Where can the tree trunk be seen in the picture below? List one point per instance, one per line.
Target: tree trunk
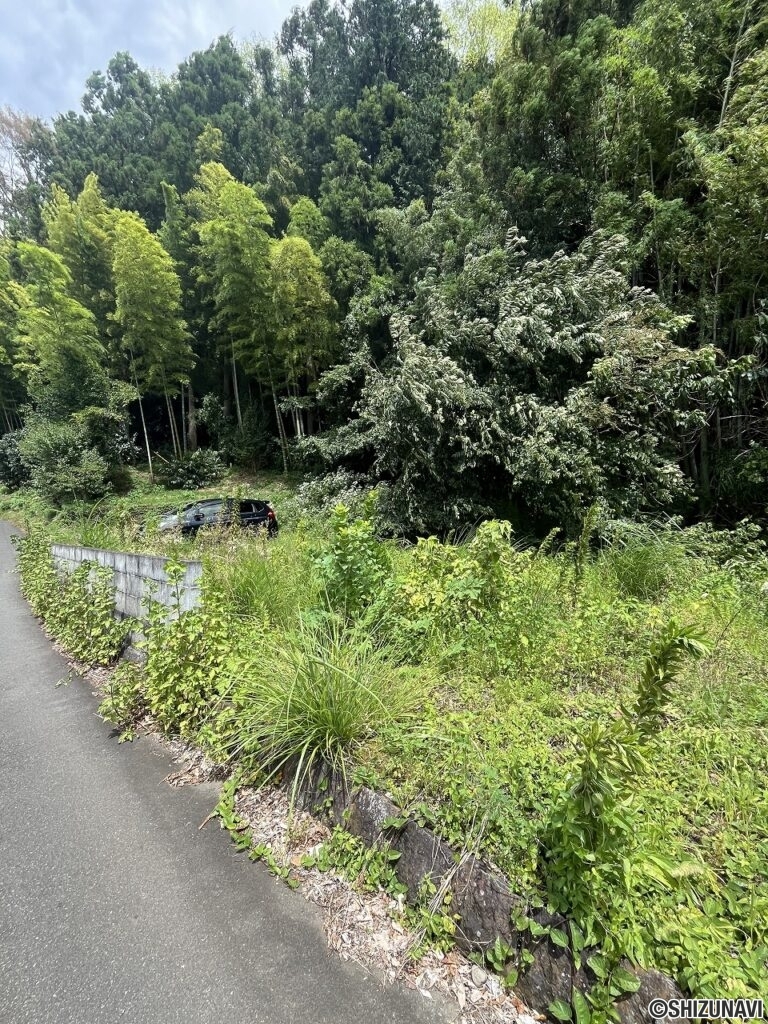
(704, 482)
(183, 421)
(191, 421)
(734, 58)
(226, 388)
(172, 423)
(280, 424)
(236, 389)
(143, 420)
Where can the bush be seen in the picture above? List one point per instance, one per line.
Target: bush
(314, 698)
(13, 473)
(355, 565)
(446, 589)
(198, 469)
(320, 495)
(79, 609)
(186, 659)
(642, 561)
(61, 464)
(250, 445)
(124, 703)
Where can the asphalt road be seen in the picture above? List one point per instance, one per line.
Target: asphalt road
(114, 906)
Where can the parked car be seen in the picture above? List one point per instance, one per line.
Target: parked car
(246, 512)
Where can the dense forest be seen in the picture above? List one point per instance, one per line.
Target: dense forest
(502, 259)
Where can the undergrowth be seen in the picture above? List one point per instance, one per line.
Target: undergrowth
(592, 717)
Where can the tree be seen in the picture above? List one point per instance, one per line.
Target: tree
(480, 31)
(11, 389)
(308, 222)
(350, 193)
(26, 150)
(81, 232)
(148, 310)
(58, 348)
(303, 317)
(234, 263)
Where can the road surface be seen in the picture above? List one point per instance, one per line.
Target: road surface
(114, 906)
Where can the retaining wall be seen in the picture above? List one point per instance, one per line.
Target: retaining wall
(136, 578)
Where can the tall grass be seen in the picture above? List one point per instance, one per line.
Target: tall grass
(314, 695)
(643, 561)
(273, 580)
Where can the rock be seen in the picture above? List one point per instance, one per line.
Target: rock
(549, 977)
(479, 976)
(493, 985)
(483, 901)
(367, 813)
(633, 1009)
(422, 855)
(321, 792)
(461, 995)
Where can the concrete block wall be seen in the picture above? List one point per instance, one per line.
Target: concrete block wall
(136, 578)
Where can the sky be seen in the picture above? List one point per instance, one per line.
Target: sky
(49, 47)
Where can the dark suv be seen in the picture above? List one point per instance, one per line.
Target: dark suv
(248, 512)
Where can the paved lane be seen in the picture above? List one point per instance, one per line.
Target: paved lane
(114, 907)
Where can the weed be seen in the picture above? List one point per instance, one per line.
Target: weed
(314, 697)
(124, 704)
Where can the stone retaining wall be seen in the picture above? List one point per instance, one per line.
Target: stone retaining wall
(135, 577)
(481, 896)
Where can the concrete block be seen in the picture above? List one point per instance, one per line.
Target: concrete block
(194, 574)
(131, 607)
(190, 599)
(134, 585)
(146, 563)
(132, 565)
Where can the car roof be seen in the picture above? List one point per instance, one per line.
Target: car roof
(221, 501)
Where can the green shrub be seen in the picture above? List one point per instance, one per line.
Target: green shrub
(354, 565)
(187, 654)
(199, 469)
(249, 443)
(443, 590)
(13, 472)
(79, 608)
(124, 704)
(596, 863)
(314, 697)
(319, 496)
(61, 465)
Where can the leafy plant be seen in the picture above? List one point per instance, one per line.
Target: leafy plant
(594, 860)
(370, 868)
(313, 697)
(124, 704)
(13, 471)
(78, 606)
(187, 655)
(61, 465)
(200, 468)
(354, 565)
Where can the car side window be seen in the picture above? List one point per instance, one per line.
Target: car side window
(246, 508)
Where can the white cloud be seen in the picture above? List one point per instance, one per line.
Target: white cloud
(49, 47)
